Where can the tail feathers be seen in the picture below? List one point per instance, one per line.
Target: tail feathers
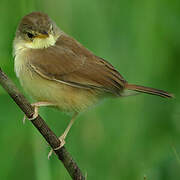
(149, 90)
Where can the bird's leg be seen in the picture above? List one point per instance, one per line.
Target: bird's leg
(63, 136)
(36, 108)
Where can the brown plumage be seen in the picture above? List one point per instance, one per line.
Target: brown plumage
(77, 68)
(69, 62)
(56, 69)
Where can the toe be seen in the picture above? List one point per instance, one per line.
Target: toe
(24, 119)
(50, 153)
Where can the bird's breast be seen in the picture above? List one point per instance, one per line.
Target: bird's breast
(66, 97)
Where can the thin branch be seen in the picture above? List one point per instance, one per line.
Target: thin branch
(39, 123)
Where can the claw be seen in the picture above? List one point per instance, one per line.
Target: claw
(62, 140)
(63, 136)
(50, 153)
(35, 115)
(36, 107)
(24, 119)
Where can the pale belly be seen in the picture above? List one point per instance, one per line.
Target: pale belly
(65, 97)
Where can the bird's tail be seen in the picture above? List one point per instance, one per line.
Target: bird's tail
(148, 90)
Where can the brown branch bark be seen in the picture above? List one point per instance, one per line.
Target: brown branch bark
(63, 155)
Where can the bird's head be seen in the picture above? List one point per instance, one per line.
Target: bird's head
(36, 30)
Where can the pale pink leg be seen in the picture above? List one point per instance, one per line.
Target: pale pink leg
(36, 108)
(63, 136)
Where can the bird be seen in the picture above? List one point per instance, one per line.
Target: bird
(58, 71)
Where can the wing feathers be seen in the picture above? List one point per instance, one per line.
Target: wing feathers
(70, 63)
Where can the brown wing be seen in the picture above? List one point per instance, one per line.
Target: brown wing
(70, 63)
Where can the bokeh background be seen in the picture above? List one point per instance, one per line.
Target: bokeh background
(135, 137)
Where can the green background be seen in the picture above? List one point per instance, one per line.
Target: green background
(124, 139)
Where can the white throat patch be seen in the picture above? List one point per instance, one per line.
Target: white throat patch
(40, 43)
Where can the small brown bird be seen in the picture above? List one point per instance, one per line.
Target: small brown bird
(58, 71)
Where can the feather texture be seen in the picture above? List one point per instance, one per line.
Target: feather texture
(71, 63)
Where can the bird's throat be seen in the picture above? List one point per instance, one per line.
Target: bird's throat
(40, 43)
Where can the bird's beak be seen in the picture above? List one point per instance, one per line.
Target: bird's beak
(42, 35)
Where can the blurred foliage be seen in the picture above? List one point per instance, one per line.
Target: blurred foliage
(126, 138)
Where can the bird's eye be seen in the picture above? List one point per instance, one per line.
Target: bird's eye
(30, 35)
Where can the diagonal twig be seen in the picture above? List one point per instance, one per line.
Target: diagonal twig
(63, 155)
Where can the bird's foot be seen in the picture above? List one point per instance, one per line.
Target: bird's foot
(62, 140)
(36, 108)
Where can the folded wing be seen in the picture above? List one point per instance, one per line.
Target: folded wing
(70, 63)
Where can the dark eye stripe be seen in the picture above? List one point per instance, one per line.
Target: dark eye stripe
(30, 35)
